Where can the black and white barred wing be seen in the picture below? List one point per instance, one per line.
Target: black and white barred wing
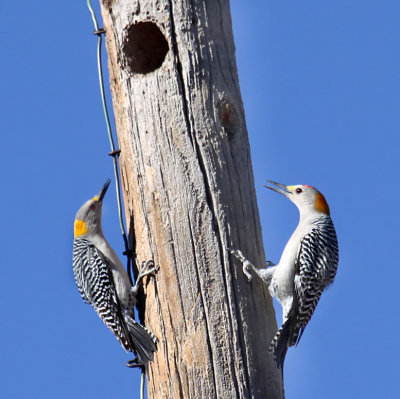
(96, 286)
(315, 270)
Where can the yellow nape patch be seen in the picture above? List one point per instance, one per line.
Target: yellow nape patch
(80, 228)
(321, 204)
(95, 198)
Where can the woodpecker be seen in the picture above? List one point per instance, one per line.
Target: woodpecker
(307, 266)
(104, 284)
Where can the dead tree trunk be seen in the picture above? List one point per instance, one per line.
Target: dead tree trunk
(189, 195)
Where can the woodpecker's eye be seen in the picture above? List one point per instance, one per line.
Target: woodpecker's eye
(92, 207)
(299, 190)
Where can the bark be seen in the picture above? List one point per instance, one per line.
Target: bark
(189, 195)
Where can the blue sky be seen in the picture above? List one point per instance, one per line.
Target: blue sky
(320, 85)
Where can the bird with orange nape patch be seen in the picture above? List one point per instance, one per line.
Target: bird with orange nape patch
(306, 268)
(105, 285)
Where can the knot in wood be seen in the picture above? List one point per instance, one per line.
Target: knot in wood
(229, 117)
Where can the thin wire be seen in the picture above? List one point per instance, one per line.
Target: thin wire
(142, 385)
(115, 155)
(114, 152)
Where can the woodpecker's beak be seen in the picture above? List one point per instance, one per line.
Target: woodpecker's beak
(281, 190)
(103, 190)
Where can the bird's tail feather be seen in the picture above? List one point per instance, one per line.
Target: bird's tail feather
(280, 343)
(144, 341)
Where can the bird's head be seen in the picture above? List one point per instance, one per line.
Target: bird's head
(306, 198)
(88, 217)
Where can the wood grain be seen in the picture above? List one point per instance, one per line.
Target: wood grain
(189, 195)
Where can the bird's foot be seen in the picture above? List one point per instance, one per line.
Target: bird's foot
(237, 253)
(147, 268)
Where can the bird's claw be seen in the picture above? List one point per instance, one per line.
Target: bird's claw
(246, 271)
(237, 253)
(147, 268)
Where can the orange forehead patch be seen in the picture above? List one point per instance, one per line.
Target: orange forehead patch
(321, 204)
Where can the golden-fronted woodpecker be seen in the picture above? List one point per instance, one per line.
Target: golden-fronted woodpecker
(104, 284)
(307, 266)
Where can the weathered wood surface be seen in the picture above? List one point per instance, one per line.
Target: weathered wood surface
(189, 195)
